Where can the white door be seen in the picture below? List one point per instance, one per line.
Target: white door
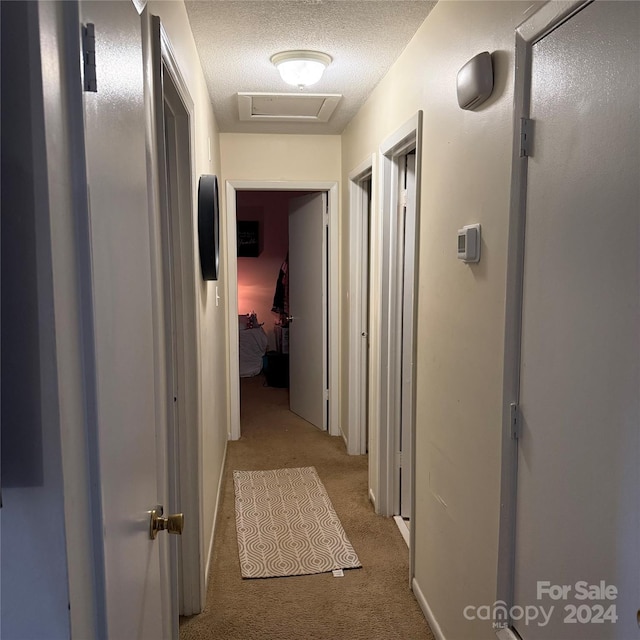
(578, 501)
(365, 296)
(308, 308)
(124, 328)
(406, 284)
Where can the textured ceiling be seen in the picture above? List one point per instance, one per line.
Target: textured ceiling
(236, 39)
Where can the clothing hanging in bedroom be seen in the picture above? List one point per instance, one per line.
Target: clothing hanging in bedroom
(281, 296)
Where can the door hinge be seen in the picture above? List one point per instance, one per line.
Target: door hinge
(399, 459)
(526, 137)
(402, 198)
(89, 57)
(515, 421)
(326, 394)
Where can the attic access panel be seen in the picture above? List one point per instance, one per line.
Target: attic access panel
(287, 107)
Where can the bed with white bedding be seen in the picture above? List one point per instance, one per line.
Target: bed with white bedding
(253, 344)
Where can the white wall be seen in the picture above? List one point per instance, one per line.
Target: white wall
(247, 156)
(212, 321)
(465, 179)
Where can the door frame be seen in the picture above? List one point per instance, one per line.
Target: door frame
(231, 266)
(528, 33)
(407, 138)
(183, 484)
(358, 209)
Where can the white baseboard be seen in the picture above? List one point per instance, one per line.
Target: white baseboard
(215, 517)
(426, 609)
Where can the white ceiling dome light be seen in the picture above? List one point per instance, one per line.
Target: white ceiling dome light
(301, 68)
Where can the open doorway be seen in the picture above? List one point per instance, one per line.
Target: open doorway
(320, 326)
(282, 312)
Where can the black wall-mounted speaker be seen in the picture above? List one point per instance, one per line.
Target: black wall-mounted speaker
(209, 226)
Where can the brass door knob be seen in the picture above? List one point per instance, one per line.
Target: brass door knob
(173, 523)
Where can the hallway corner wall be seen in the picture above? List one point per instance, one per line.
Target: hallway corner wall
(465, 178)
(212, 320)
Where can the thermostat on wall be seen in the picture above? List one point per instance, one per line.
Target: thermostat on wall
(469, 243)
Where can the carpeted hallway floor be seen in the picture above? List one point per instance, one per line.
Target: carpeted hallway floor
(372, 603)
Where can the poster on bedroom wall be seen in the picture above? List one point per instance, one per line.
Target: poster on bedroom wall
(248, 239)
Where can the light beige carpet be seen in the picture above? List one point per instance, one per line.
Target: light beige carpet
(372, 603)
(287, 526)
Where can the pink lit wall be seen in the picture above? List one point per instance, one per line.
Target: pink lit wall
(257, 277)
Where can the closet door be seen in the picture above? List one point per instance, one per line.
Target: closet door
(578, 483)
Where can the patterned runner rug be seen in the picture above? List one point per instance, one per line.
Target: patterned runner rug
(287, 526)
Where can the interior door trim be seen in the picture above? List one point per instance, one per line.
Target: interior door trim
(356, 444)
(405, 139)
(547, 18)
(164, 81)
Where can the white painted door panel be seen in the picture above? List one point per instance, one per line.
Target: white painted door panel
(365, 296)
(120, 247)
(308, 308)
(406, 286)
(578, 482)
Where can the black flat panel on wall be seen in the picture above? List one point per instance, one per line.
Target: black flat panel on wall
(208, 226)
(248, 239)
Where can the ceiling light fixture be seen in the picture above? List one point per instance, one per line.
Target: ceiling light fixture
(301, 68)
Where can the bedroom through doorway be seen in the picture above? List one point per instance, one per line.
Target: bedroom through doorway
(282, 312)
